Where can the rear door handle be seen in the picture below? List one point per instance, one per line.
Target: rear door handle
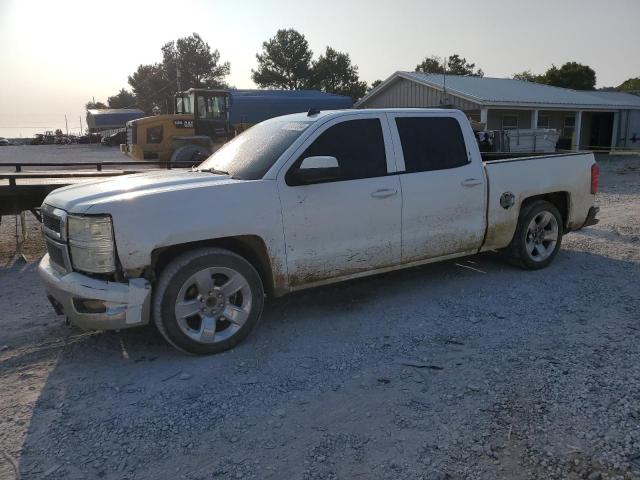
(470, 182)
(384, 193)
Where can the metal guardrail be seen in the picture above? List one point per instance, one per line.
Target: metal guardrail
(27, 189)
(97, 165)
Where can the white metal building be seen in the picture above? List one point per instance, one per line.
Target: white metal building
(585, 119)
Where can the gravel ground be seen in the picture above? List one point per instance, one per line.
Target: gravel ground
(469, 369)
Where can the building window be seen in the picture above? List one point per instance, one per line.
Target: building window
(569, 125)
(509, 122)
(543, 121)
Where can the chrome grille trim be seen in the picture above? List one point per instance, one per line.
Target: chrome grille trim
(59, 255)
(54, 222)
(51, 222)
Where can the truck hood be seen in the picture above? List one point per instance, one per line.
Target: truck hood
(81, 197)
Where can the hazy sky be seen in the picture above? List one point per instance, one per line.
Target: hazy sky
(57, 55)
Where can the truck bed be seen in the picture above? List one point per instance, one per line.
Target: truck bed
(496, 156)
(566, 175)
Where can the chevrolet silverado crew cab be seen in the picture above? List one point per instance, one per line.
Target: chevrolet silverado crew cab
(295, 202)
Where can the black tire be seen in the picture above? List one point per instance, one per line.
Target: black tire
(173, 278)
(517, 252)
(190, 153)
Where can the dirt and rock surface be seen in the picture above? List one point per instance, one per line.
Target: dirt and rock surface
(470, 369)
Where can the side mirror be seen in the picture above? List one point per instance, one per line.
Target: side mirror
(318, 169)
(311, 163)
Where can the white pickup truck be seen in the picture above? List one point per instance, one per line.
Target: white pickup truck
(295, 202)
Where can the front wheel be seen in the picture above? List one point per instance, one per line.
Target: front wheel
(538, 236)
(207, 301)
(190, 153)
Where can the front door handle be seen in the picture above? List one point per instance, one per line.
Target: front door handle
(470, 182)
(384, 193)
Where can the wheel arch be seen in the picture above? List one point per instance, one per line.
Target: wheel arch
(250, 247)
(561, 200)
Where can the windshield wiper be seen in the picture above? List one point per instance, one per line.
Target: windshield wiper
(212, 170)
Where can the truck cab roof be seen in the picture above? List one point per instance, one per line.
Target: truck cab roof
(323, 114)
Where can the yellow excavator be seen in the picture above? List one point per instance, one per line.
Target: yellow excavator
(205, 119)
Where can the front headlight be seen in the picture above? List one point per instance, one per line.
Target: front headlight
(91, 244)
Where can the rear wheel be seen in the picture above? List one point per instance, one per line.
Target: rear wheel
(538, 236)
(207, 300)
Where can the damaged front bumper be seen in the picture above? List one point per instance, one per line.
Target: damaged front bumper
(94, 304)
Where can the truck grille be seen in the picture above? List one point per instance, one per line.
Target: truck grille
(57, 254)
(51, 222)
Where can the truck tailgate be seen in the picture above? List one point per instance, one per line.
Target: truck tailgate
(568, 174)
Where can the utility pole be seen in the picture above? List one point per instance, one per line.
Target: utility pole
(80, 125)
(178, 75)
(444, 81)
(66, 125)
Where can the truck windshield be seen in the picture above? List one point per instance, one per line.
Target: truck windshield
(252, 153)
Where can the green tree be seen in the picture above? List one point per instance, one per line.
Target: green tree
(155, 84)
(199, 66)
(334, 73)
(456, 65)
(285, 62)
(432, 64)
(58, 132)
(374, 84)
(123, 99)
(570, 75)
(630, 84)
(93, 105)
(527, 75)
(151, 87)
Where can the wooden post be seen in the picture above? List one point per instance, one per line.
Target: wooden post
(23, 224)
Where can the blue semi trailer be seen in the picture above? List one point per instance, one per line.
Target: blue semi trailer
(248, 107)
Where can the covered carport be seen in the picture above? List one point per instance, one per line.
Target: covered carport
(99, 120)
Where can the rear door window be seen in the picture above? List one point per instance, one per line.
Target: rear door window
(431, 143)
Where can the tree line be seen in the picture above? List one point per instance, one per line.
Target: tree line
(287, 62)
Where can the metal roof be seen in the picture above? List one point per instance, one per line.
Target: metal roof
(509, 92)
(267, 93)
(284, 93)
